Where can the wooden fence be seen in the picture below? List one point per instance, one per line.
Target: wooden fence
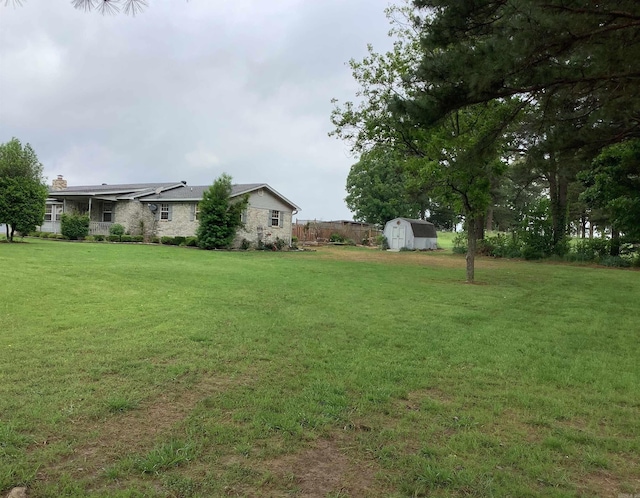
(314, 231)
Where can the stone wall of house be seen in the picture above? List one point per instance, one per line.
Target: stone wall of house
(135, 217)
(181, 221)
(257, 227)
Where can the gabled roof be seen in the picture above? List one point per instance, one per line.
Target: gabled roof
(188, 193)
(148, 192)
(119, 189)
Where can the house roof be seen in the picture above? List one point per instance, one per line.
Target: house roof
(422, 228)
(160, 192)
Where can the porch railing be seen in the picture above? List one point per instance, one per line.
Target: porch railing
(99, 227)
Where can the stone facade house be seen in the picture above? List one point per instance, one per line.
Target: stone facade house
(166, 209)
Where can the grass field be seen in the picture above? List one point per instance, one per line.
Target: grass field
(134, 370)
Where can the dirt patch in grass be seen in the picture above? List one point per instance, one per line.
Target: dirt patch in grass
(601, 482)
(105, 441)
(326, 469)
(439, 258)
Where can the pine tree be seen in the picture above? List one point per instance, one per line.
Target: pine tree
(220, 215)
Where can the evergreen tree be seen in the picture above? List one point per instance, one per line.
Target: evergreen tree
(220, 216)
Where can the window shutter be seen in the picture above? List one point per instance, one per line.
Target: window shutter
(281, 219)
(170, 212)
(192, 212)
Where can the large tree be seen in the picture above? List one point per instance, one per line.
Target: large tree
(22, 191)
(220, 215)
(378, 189)
(457, 159)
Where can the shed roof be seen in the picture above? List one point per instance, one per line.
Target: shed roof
(422, 228)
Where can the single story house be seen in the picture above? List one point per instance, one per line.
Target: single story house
(412, 234)
(166, 209)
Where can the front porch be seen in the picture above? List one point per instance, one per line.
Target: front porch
(95, 227)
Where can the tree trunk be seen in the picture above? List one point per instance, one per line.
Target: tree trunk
(479, 224)
(6, 227)
(10, 233)
(489, 221)
(615, 242)
(558, 189)
(472, 238)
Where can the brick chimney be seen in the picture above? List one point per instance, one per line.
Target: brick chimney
(59, 183)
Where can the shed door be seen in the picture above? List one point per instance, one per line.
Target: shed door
(397, 237)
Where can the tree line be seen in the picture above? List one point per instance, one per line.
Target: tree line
(497, 108)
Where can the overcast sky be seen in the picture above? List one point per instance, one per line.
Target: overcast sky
(189, 90)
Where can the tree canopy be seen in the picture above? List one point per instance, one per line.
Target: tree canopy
(22, 192)
(613, 185)
(378, 190)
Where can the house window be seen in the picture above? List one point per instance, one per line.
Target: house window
(196, 212)
(52, 212)
(275, 218)
(107, 212)
(164, 212)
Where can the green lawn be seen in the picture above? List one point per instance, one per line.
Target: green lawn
(134, 370)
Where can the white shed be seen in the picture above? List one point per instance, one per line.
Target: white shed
(412, 234)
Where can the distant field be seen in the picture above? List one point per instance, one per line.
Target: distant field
(134, 370)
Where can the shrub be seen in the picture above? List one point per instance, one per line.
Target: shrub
(167, 241)
(591, 249)
(126, 238)
(276, 245)
(245, 245)
(74, 226)
(336, 237)
(382, 242)
(137, 238)
(90, 238)
(116, 229)
(615, 261)
(59, 236)
(155, 240)
(98, 238)
(191, 242)
(500, 246)
(179, 240)
(460, 243)
(113, 238)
